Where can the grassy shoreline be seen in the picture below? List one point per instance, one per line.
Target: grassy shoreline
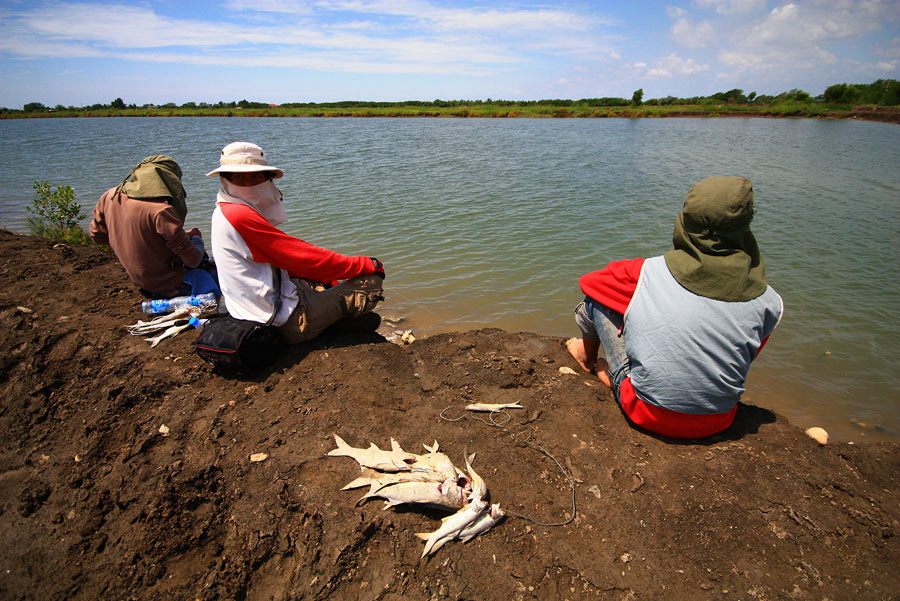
(890, 114)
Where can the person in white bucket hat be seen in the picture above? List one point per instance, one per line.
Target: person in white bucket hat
(318, 287)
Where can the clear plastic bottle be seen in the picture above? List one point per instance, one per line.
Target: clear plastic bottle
(197, 323)
(167, 305)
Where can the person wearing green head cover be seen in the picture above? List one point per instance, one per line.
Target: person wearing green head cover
(142, 220)
(679, 331)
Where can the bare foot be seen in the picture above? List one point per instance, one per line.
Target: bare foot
(575, 346)
(602, 367)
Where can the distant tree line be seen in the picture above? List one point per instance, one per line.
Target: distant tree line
(883, 92)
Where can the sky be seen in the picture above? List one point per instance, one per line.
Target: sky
(85, 52)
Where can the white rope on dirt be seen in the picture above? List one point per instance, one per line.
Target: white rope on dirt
(528, 442)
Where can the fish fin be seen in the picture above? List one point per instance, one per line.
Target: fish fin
(423, 535)
(365, 498)
(395, 446)
(377, 485)
(342, 447)
(433, 448)
(358, 483)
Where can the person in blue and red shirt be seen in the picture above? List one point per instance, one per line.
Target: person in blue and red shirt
(679, 331)
(318, 287)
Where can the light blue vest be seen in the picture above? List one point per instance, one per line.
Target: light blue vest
(690, 353)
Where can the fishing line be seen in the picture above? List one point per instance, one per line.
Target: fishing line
(528, 442)
(414, 303)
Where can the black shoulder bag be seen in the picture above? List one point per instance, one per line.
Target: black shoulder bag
(239, 345)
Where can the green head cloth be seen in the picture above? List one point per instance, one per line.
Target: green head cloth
(157, 178)
(715, 253)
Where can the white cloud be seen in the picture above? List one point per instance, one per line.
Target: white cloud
(891, 50)
(798, 36)
(728, 7)
(440, 18)
(793, 24)
(417, 33)
(88, 30)
(293, 7)
(675, 11)
(670, 66)
(693, 35)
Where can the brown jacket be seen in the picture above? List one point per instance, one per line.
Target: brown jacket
(148, 238)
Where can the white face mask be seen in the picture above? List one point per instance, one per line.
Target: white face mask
(264, 197)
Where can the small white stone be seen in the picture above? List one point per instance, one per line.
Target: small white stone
(818, 434)
(164, 430)
(257, 457)
(568, 371)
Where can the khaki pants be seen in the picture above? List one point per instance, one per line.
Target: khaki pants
(319, 307)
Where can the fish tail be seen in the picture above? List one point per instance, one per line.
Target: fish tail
(342, 447)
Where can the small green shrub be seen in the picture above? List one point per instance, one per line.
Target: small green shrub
(55, 215)
(815, 110)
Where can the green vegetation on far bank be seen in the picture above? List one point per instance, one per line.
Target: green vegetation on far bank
(472, 110)
(838, 101)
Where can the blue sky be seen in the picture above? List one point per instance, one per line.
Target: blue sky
(79, 53)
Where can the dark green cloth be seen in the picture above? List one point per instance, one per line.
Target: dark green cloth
(157, 178)
(715, 252)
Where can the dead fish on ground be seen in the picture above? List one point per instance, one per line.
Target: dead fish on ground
(172, 331)
(492, 406)
(373, 457)
(482, 523)
(163, 321)
(479, 488)
(433, 460)
(452, 526)
(375, 480)
(444, 495)
(402, 478)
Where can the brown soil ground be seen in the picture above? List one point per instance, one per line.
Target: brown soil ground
(887, 114)
(96, 503)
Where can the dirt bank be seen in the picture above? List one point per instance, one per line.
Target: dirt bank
(97, 503)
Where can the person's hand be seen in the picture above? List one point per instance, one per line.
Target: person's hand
(379, 268)
(194, 232)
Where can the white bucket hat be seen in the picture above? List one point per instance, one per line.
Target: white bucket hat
(243, 157)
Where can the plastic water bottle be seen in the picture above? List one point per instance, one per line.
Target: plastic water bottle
(197, 323)
(167, 305)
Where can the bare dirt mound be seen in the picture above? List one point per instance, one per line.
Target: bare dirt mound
(887, 114)
(98, 503)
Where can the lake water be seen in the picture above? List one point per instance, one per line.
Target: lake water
(490, 223)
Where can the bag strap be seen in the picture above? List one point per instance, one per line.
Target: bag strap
(277, 279)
